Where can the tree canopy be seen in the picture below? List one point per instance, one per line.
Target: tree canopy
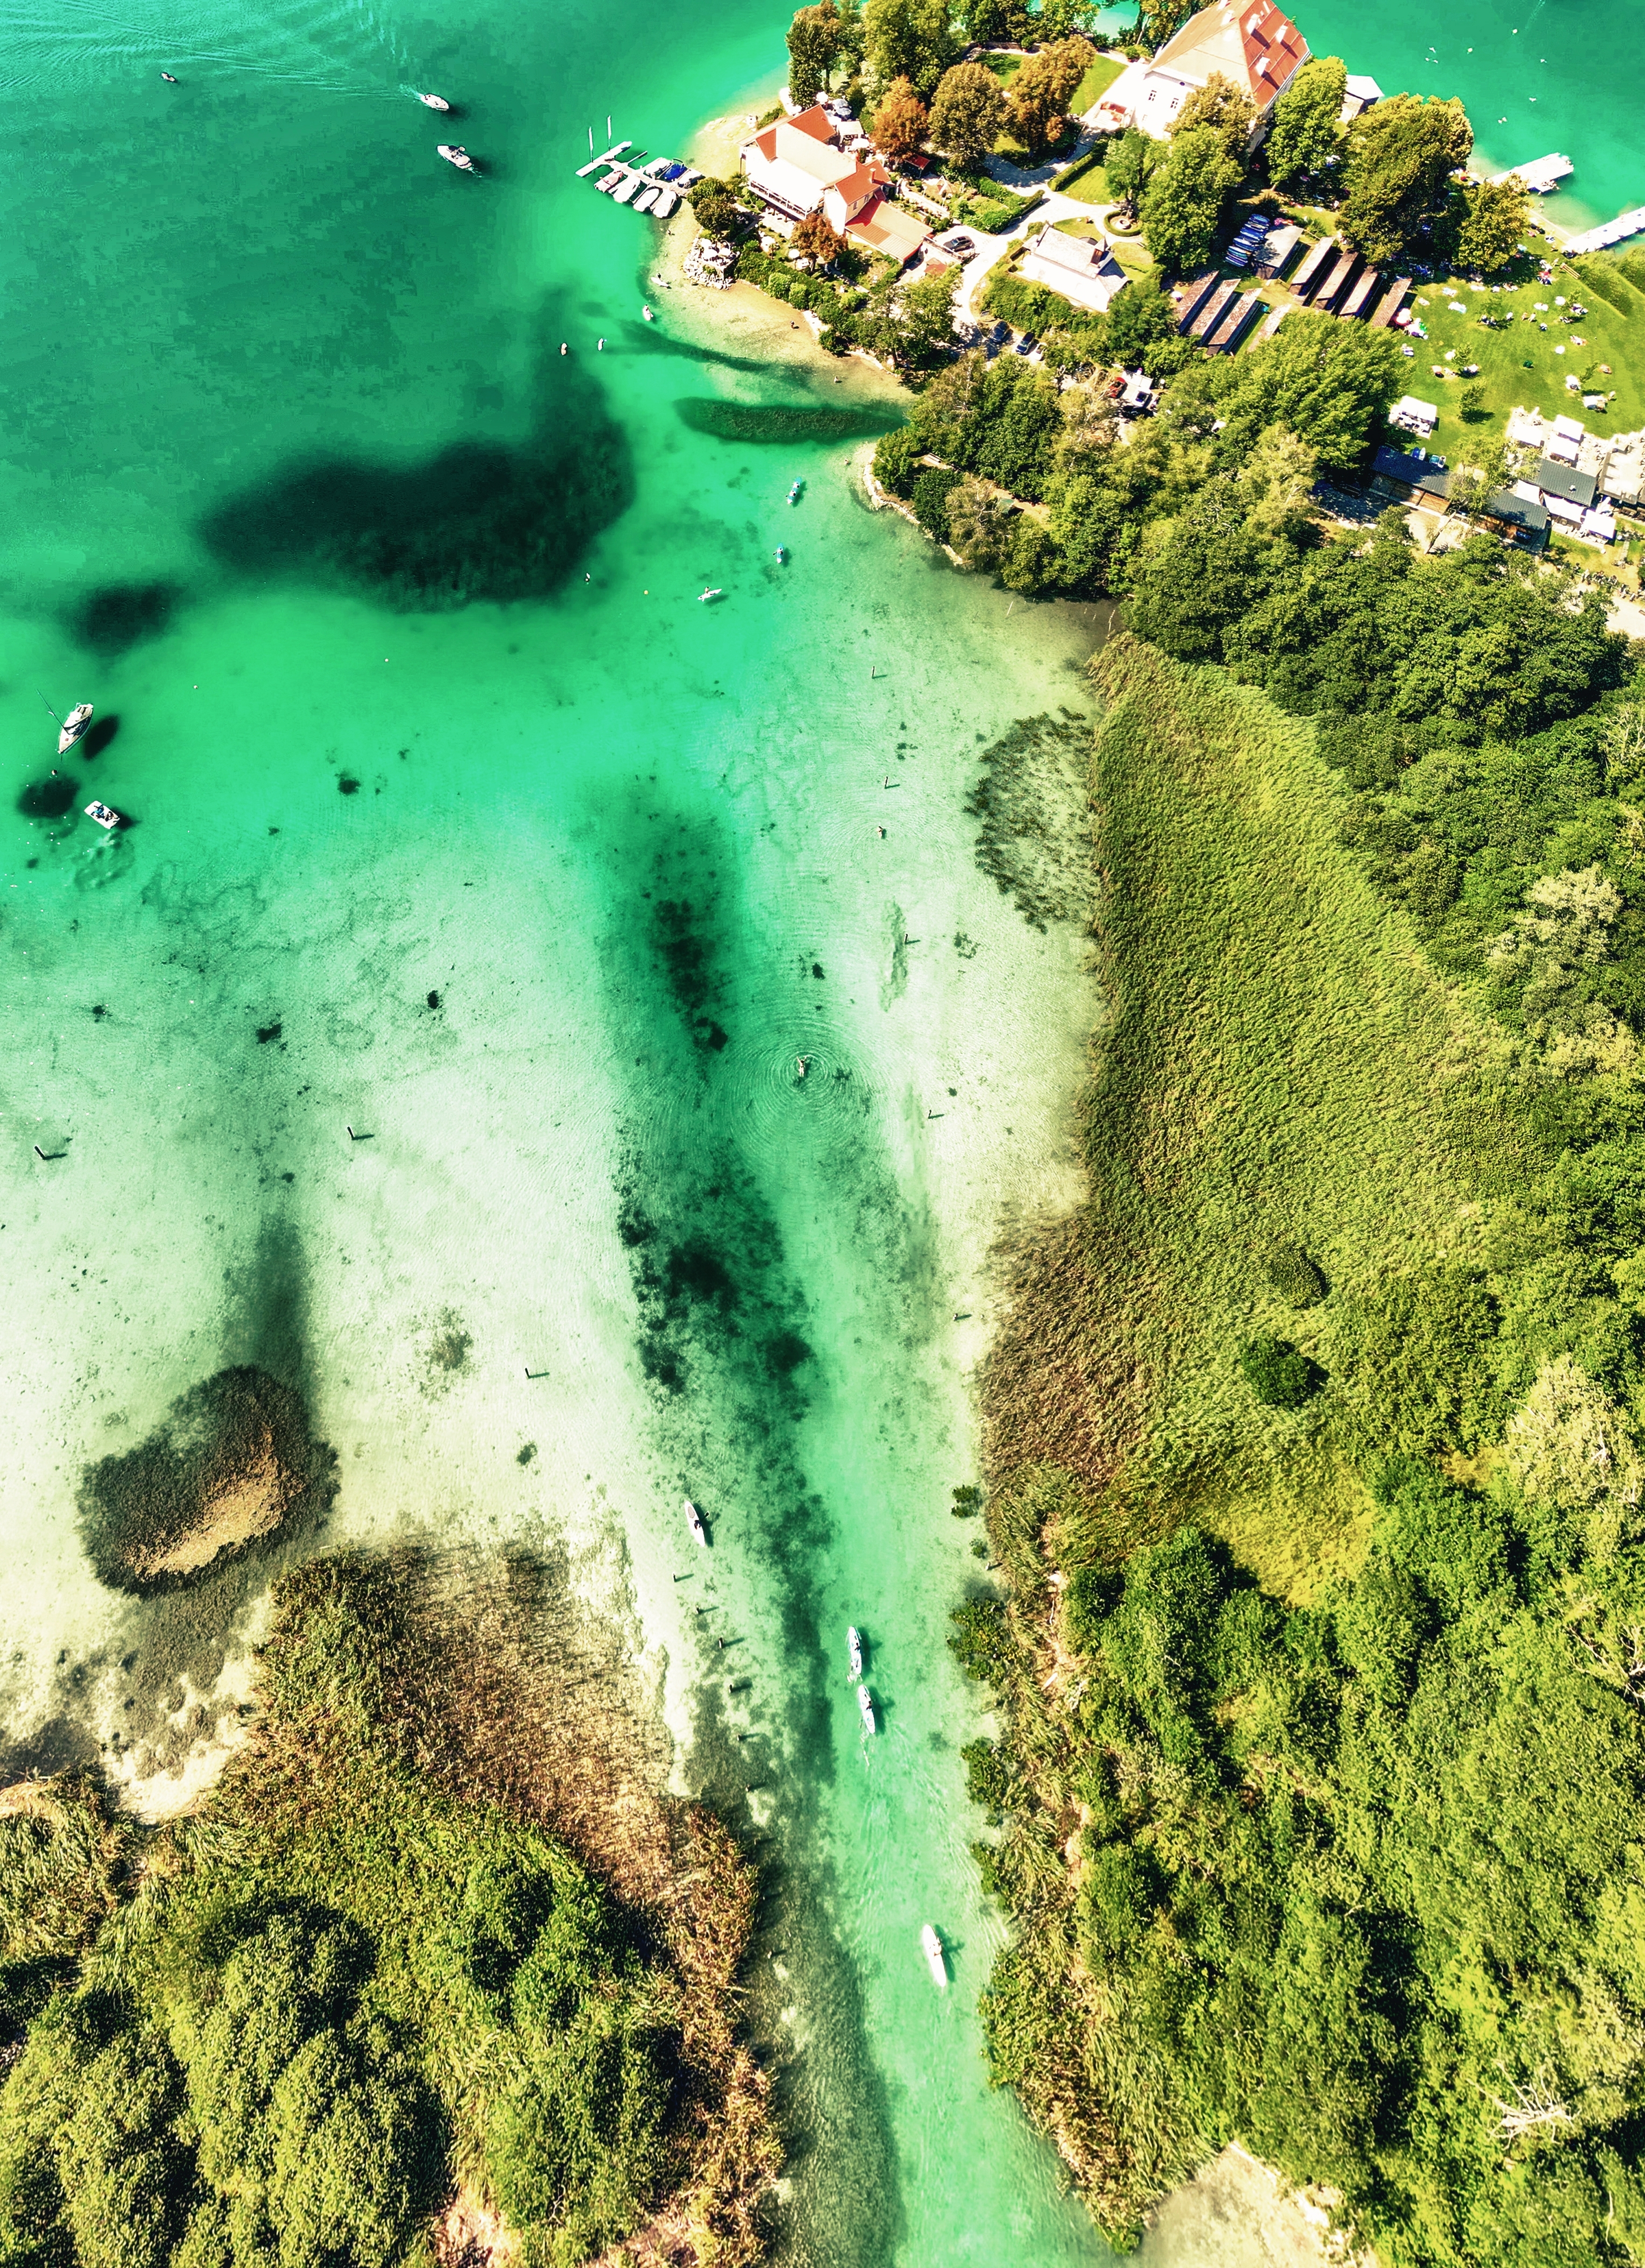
(1037, 103)
(814, 38)
(1306, 132)
(909, 39)
(268, 2047)
(900, 123)
(967, 113)
(1401, 155)
(1131, 164)
(1491, 225)
(1227, 109)
(1185, 199)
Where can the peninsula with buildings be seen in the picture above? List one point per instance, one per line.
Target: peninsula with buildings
(1111, 236)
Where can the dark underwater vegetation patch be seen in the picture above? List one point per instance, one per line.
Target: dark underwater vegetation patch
(479, 521)
(232, 1467)
(47, 798)
(747, 421)
(115, 616)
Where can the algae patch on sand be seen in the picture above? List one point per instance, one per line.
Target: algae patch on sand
(232, 1465)
(749, 421)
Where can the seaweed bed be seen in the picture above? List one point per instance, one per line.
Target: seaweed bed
(747, 421)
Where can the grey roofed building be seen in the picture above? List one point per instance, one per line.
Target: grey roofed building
(1565, 482)
(1418, 474)
(1276, 250)
(1525, 520)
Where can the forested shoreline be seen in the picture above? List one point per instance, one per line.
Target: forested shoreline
(433, 1973)
(1311, 1439)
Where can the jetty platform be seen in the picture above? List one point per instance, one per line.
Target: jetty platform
(1540, 174)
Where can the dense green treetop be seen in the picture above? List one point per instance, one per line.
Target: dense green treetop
(967, 113)
(1131, 164)
(1185, 197)
(1306, 131)
(1491, 225)
(1402, 153)
(317, 2002)
(914, 40)
(813, 50)
(1038, 97)
(1227, 109)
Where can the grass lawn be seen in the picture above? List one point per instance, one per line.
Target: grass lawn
(1527, 365)
(1281, 1067)
(1097, 80)
(1088, 229)
(1004, 68)
(1088, 180)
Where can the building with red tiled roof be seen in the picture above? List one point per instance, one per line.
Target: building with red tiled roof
(797, 166)
(1257, 47)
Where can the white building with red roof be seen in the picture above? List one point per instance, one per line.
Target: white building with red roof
(797, 166)
(1257, 47)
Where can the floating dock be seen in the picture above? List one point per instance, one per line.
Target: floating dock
(1612, 231)
(1540, 175)
(594, 164)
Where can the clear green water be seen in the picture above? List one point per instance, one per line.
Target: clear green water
(1536, 76)
(249, 320)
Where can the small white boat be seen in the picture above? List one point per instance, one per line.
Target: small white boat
(649, 317)
(865, 1702)
(936, 1959)
(646, 199)
(73, 726)
(853, 1650)
(782, 555)
(170, 77)
(104, 815)
(693, 1521)
(454, 154)
(600, 346)
(434, 101)
(796, 491)
(563, 348)
(705, 597)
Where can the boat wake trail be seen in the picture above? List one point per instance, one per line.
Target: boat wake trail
(342, 46)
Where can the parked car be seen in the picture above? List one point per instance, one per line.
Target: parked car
(1026, 344)
(957, 242)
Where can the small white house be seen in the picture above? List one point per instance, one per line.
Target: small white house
(1082, 268)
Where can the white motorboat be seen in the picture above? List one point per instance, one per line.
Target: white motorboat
(705, 597)
(649, 317)
(865, 1702)
(646, 199)
(74, 726)
(693, 1521)
(104, 815)
(434, 101)
(853, 1650)
(454, 154)
(936, 1959)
